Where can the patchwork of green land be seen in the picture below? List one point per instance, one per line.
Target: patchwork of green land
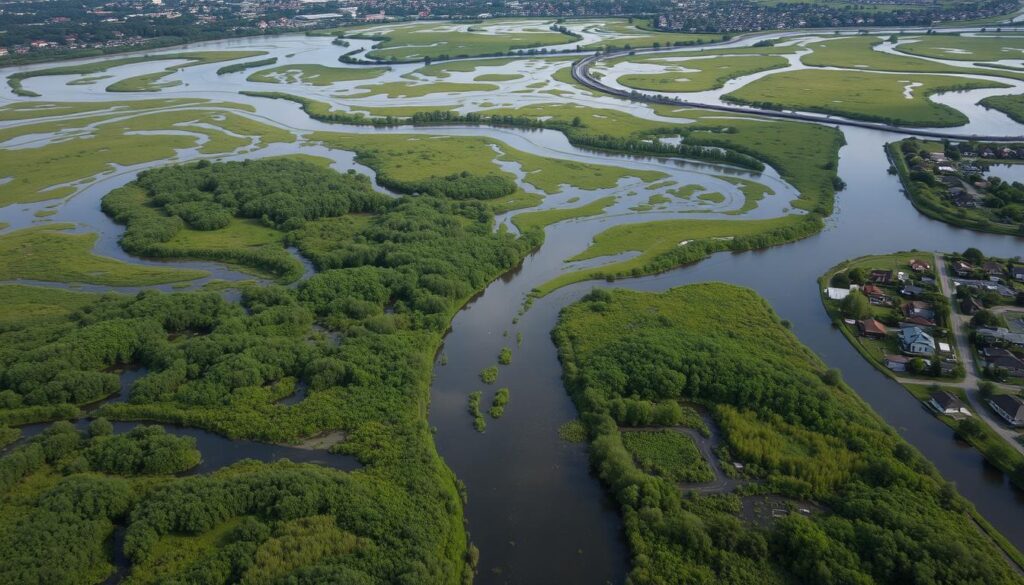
(855, 489)
(700, 74)
(899, 99)
(963, 48)
(315, 74)
(636, 33)
(440, 40)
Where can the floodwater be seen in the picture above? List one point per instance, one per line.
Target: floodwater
(535, 511)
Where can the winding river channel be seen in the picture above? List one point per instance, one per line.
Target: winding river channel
(535, 511)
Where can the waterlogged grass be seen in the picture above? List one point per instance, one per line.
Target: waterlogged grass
(639, 33)
(498, 77)
(702, 74)
(193, 58)
(1011, 105)
(36, 110)
(858, 53)
(541, 219)
(654, 239)
(397, 89)
(667, 454)
(47, 253)
(961, 48)
(437, 40)
(875, 97)
(43, 173)
(37, 305)
(753, 193)
(315, 74)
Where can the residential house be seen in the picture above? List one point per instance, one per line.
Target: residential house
(970, 305)
(993, 268)
(962, 268)
(945, 403)
(880, 276)
(921, 310)
(998, 357)
(920, 265)
(875, 295)
(915, 341)
(872, 328)
(937, 156)
(1017, 272)
(1009, 407)
(897, 363)
(911, 290)
(1001, 334)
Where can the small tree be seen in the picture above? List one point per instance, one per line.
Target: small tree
(973, 255)
(986, 389)
(856, 306)
(840, 280)
(856, 276)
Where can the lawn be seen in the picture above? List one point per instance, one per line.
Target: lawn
(46, 253)
(875, 97)
(541, 219)
(962, 48)
(419, 41)
(701, 73)
(667, 454)
(315, 74)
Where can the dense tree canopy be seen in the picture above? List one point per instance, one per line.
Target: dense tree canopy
(887, 517)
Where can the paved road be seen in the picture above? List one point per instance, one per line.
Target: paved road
(971, 377)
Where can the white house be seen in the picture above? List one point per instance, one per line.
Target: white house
(947, 404)
(915, 341)
(1009, 407)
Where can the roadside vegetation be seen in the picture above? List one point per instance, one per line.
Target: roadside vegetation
(804, 438)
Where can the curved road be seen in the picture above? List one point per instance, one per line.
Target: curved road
(581, 73)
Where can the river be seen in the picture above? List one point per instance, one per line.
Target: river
(535, 511)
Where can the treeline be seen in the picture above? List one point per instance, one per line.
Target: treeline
(795, 427)
(236, 67)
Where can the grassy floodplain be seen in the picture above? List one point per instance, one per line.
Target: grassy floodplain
(132, 83)
(419, 41)
(639, 33)
(963, 48)
(44, 172)
(707, 73)
(399, 89)
(541, 219)
(665, 244)
(874, 97)
(313, 74)
(1011, 105)
(810, 439)
(47, 253)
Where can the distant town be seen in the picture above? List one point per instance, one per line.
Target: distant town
(37, 30)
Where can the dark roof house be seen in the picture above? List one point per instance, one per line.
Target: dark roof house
(1010, 408)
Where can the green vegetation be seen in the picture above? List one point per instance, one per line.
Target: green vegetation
(874, 97)
(416, 42)
(146, 82)
(315, 74)
(1011, 105)
(962, 48)
(666, 244)
(237, 67)
(707, 73)
(47, 173)
(636, 33)
(406, 89)
(573, 431)
(497, 409)
(667, 454)
(804, 439)
(498, 77)
(858, 53)
(47, 253)
(234, 212)
(489, 375)
(505, 356)
(390, 278)
(479, 423)
(541, 219)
